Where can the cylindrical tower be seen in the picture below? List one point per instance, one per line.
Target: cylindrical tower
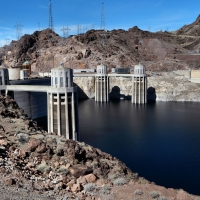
(139, 88)
(63, 104)
(26, 66)
(101, 84)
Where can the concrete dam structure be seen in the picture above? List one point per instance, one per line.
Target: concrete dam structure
(61, 100)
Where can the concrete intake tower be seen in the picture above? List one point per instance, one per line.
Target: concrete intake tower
(139, 87)
(63, 104)
(101, 84)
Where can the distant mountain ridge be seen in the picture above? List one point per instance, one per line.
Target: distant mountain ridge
(159, 51)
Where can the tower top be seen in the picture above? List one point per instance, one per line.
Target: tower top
(61, 77)
(139, 69)
(101, 69)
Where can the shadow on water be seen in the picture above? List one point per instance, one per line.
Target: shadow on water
(42, 122)
(81, 93)
(115, 94)
(151, 94)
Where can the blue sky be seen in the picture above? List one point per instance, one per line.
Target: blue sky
(150, 15)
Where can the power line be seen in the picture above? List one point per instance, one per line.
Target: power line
(18, 30)
(51, 26)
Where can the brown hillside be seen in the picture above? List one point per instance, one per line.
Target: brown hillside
(160, 51)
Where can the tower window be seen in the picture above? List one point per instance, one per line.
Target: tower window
(61, 81)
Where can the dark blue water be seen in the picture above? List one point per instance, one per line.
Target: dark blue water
(160, 141)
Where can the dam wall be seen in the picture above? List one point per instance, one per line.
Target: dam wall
(166, 89)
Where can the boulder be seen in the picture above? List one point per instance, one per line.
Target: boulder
(90, 178)
(81, 180)
(33, 144)
(76, 187)
(10, 181)
(3, 142)
(80, 170)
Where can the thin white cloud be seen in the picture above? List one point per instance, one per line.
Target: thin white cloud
(43, 7)
(5, 28)
(159, 3)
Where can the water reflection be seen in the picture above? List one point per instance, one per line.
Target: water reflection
(159, 140)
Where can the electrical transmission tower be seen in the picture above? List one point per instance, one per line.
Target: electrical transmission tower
(38, 26)
(103, 26)
(7, 41)
(93, 26)
(85, 29)
(78, 29)
(65, 31)
(18, 30)
(50, 16)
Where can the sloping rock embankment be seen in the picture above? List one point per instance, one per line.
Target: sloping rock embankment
(35, 164)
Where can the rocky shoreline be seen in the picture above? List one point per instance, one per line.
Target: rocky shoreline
(35, 164)
(163, 87)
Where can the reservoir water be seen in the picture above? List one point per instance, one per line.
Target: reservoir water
(160, 141)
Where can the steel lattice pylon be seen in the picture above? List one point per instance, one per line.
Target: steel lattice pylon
(51, 26)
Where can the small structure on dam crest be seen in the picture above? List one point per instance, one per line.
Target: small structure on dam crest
(101, 84)
(139, 88)
(63, 104)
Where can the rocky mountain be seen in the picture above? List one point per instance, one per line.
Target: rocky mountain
(191, 29)
(36, 165)
(160, 51)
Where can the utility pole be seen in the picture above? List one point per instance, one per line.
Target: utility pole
(51, 26)
(18, 30)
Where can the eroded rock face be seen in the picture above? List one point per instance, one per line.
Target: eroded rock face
(174, 88)
(162, 87)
